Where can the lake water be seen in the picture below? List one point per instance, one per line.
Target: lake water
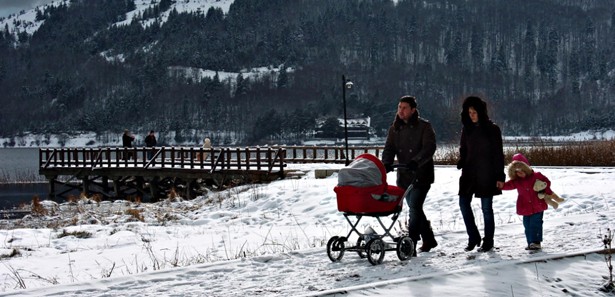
(19, 178)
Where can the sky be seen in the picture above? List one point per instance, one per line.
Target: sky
(8, 7)
(270, 240)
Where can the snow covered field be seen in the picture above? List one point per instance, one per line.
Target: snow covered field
(270, 240)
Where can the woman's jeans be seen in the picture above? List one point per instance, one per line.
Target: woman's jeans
(533, 227)
(418, 224)
(465, 205)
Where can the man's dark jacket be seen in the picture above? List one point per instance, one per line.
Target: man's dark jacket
(412, 141)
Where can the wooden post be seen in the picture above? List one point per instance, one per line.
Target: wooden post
(52, 188)
(248, 155)
(269, 159)
(105, 184)
(238, 152)
(116, 187)
(192, 155)
(282, 160)
(134, 156)
(62, 157)
(154, 189)
(172, 156)
(85, 185)
(258, 158)
(108, 156)
(189, 192)
(117, 157)
(162, 156)
(229, 158)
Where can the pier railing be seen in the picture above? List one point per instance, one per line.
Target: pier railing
(237, 158)
(327, 154)
(213, 159)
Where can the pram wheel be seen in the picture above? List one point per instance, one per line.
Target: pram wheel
(335, 248)
(375, 251)
(361, 248)
(405, 248)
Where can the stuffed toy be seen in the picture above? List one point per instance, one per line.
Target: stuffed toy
(553, 199)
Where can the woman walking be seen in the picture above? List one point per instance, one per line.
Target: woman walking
(481, 160)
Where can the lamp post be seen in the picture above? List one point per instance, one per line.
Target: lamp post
(346, 84)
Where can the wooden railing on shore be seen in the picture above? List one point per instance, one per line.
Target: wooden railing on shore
(327, 154)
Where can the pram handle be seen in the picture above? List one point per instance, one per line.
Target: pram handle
(402, 166)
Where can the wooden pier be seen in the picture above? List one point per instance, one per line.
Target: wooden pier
(152, 172)
(116, 172)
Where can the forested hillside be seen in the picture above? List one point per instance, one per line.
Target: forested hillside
(545, 67)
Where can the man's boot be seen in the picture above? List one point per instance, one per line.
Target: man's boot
(429, 240)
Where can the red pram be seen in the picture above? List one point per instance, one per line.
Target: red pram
(362, 190)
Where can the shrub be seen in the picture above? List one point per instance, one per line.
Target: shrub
(76, 234)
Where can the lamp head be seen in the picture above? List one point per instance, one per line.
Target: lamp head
(349, 85)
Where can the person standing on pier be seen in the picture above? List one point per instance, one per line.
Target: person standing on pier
(127, 140)
(206, 148)
(150, 141)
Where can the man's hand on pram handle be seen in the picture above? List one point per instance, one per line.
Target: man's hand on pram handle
(412, 166)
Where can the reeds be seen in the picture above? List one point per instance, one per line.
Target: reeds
(541, 153)
(19, 176)
(587, 153)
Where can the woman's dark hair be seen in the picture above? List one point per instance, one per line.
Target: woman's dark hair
(479, 105)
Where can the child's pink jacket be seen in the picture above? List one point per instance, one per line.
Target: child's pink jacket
(528, 202)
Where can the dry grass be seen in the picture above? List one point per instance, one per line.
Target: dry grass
(134, 199)
(172, 195)
(71, 198)
(97, 198)
(37, 207)
(588, 153)
(135, 213)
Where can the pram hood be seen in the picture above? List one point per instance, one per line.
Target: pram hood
(365, 171)
(364, 181)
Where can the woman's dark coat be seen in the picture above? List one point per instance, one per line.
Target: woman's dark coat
(481, 159)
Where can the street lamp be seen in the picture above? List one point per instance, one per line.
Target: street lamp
(346, 84)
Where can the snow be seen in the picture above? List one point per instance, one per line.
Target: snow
(270, 240)
(26, 21)
(87, 139)
(230, 78)
(180, 6)
(607, 134)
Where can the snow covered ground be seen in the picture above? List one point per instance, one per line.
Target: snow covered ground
(270, 240)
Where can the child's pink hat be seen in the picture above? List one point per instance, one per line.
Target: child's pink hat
(521, 158)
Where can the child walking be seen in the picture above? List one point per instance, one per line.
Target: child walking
(522, 177)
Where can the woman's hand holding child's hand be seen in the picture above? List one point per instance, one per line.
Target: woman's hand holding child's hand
(499, 184)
